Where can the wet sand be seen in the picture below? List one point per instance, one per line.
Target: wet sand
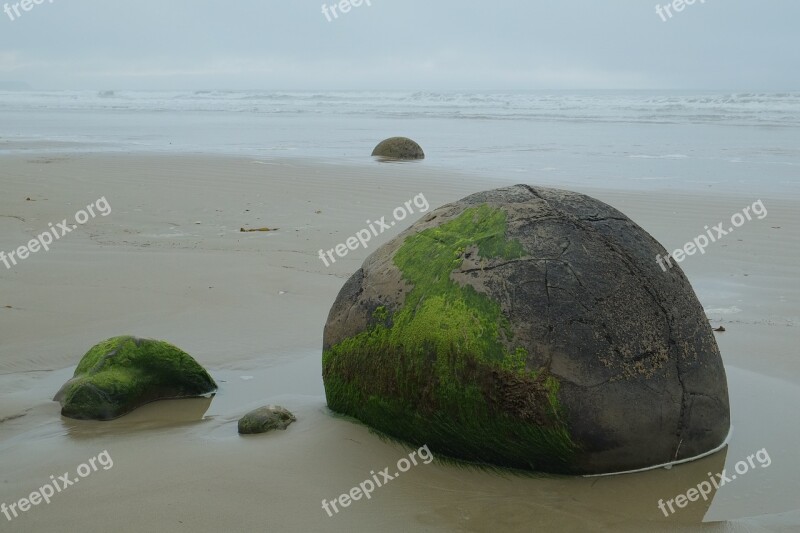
(169, 262)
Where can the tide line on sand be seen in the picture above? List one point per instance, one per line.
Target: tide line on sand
(672, 463)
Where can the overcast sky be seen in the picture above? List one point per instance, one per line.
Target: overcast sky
(402, 44)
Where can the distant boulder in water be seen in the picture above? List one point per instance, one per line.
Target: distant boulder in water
(106, 94)
(398, 148)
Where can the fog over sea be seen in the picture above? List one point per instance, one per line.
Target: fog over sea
(740, 143)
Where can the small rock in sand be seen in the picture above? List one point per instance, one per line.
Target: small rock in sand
(265, 419)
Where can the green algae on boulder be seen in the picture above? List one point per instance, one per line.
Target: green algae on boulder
(120, 374)
(265, 419)
(529, 328)
(398, 149)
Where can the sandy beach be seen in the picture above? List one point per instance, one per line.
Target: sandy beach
(194, 203)
(170, 262)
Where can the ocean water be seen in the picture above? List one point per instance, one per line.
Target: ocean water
(743, 143)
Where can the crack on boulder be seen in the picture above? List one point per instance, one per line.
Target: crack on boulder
(603, 219)
(547, 282)
(493, 267)
(633, 270)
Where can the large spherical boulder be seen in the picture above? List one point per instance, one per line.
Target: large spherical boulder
(531, 328)
(398, 148)
(118, 375)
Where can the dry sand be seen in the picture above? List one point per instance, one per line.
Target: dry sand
(251, 308)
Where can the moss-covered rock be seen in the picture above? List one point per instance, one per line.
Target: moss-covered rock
(265, 419)
(398, 148)
(530, 328)
(120, 374)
